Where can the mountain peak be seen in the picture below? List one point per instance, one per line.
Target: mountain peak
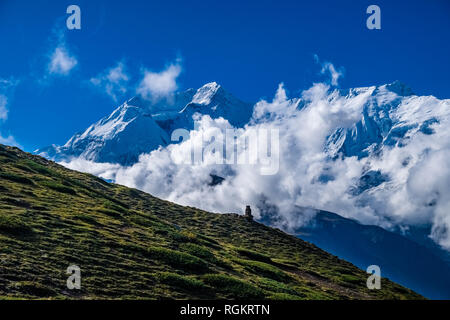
(204, 94)
(140, 126)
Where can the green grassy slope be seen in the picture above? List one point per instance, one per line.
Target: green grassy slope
(129, 244)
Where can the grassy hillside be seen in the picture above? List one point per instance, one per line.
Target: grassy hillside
(129, 244)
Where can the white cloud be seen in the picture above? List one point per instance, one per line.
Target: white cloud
(61, 61)
(104, 170)
(156, 85)
(113, 81)
(9, 140)
(328, 68)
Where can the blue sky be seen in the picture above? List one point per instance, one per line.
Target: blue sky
(249, 47)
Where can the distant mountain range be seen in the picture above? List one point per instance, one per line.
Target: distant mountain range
(408, 262)
(391, 116)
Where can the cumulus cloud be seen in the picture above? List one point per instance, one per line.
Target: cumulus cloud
(3, 109)
(329, 69)
(335, 75)
(156, 85)
(6, 88)
(416, 192)
(61, 61)
(105, 170)
(113, 81)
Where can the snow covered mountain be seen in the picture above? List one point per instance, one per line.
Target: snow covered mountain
(213, 100)
(392, 119)
(389, 117)
(119, 138)
(140, 126)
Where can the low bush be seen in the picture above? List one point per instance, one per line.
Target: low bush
(16, 178)
(86, 218)
(253, 255)
(35, 289)
(112, 206)
(234, 287)
(110, 213)
(38, 167)
(198, 251)
(275, 286)
(16, 202)
(283, 296)
(14, 226)
(176, 259)
(264, 269)
(184, 282)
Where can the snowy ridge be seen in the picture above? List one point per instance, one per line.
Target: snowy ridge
(204, 95)
(118, 138)
(391, 115)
